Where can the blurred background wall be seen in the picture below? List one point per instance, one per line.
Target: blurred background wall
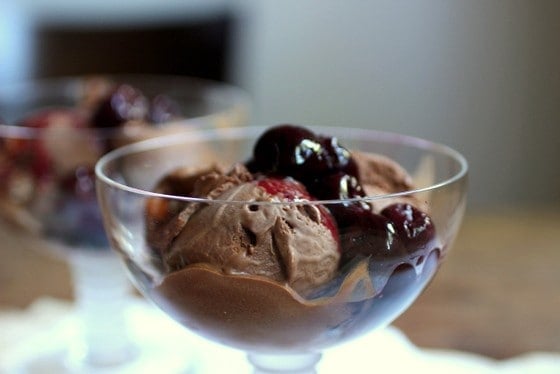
(481, 76)
(43, 38)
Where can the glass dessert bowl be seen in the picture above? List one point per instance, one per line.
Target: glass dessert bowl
(52, 132)
(282, 241)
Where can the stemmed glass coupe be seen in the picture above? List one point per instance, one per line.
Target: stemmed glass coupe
(48, 187)
(280, 327)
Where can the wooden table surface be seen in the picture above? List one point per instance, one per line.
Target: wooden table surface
(497, 294)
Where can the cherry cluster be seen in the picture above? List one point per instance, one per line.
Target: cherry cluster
(328, 172)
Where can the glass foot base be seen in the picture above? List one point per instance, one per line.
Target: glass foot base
(303, 363)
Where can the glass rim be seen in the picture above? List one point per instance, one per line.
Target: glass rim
(231, 98)
(242, 132)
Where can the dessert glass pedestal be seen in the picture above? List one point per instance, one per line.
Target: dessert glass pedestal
(48, 191)
(281, 325)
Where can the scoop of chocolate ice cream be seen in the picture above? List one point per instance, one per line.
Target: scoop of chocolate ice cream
(166, 218)
(381, 175)
(285, 243)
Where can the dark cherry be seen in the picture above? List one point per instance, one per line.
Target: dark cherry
(289, 150)
(414, 227)
(283, 150)
(125, 103)
(338, 185)
(252, 166)
(347, 214)
(164, 109)
(336, 156)
(366, 234)
(351, 168)
(80, 183)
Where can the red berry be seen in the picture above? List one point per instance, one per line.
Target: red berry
(291, 190)
(287, 188)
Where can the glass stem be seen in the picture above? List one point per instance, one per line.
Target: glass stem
(101, 291)
(297, 363)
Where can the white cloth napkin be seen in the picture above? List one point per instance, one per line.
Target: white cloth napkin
(29, 338)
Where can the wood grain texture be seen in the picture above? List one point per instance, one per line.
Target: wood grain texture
(497, 294)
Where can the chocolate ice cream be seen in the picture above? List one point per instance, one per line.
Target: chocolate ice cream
(260, 265)
(286, 243)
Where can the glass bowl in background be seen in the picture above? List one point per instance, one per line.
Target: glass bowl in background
(48, 185)
(181, 260)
